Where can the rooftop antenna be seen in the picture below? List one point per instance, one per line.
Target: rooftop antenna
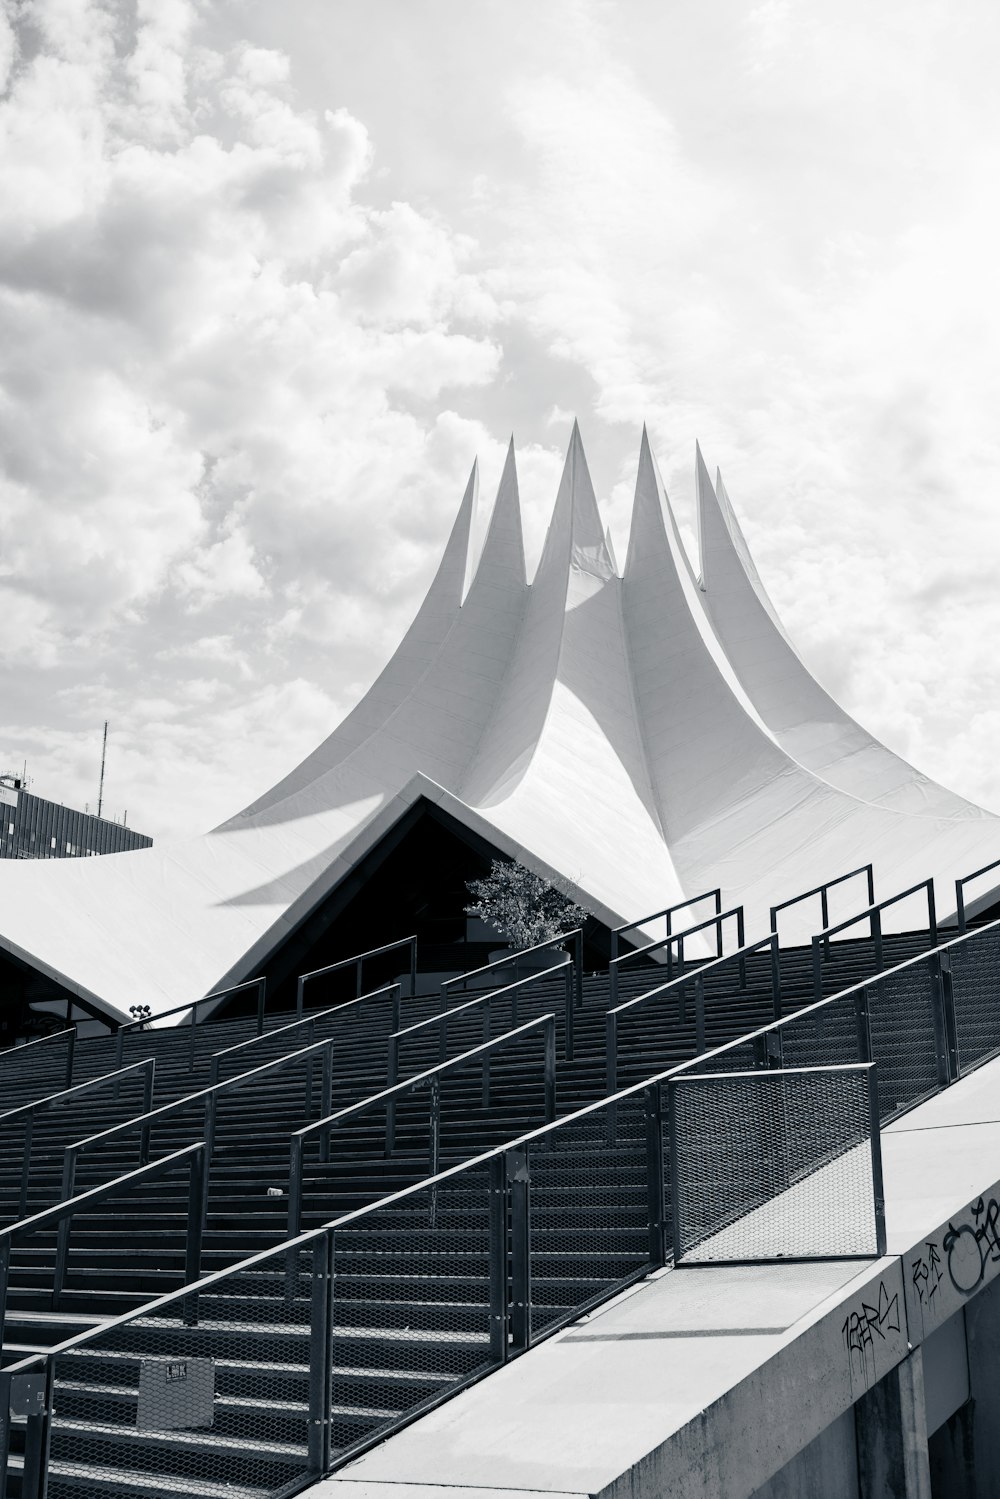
(104, 755)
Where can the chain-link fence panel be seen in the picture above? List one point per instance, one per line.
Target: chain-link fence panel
(418, 1305)
(589, 1212)
(902, 1007)
(772, 1165)
(207, 1395)
(975, 978)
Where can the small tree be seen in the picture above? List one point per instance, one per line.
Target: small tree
(522, 906)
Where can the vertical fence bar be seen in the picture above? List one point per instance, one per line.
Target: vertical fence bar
(718, 924)
(960, 906)
(396, 991)
(550, 1069)
(295, 1186)
(4, 1429)
(487, 1032)
(435, 1144)
(300, 996)
(578, 966)
(675, 1205)
(613, 982)
(194, 1011)
(34, 1480)
(390, 1103)
(877, 937)
(740, 943)
(776, 977)
(940, 1024)
(357, 977)
(4, 1277)
(518, 1185)
(817, 968)
(498, 1260)
(119, 1046)
(824, 911)
(931, 912)
(862, 1021)
(611, 1070)
(413, 966)
(568, 1037)
(950, 1018)
(878, 1186)
(29, 1128)
(655, 1205)
(197, 1218)
(699, 1015)
(261, 992)
(320, 1329)
(70, 1048)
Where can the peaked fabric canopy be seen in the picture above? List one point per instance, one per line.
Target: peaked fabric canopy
(642, 737)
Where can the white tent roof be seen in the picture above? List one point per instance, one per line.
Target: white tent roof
(640, 738)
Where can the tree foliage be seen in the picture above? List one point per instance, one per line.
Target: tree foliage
(522, 906)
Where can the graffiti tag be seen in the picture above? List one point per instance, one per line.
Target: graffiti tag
(971, 1246)
(863, 1326)
(926, 1273)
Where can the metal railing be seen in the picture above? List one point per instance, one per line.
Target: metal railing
(677, 939)
(147, 1022)
(873, 915)
(669, 912)
(68, 1036)
(61, 1216)
(484, 1003)
(513, 959)
(309, 1022)
(387, 1099)
(823, 891)
(960, 891)
(28, 1111)
(509, 1203)
(679, 986)
(357, 962)
(208, 1098)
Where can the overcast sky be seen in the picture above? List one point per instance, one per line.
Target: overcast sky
(271, 276)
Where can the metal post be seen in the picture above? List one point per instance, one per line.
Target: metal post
(877, 937)
(62, 1259)
(261, 992)
(550, 1069)
(824, 913)
(326, 1102)
(611, 1068)
(149, 1075)
(740, 943)
(871, 884)
(817, 967)
(4, 1429)
(194, 1011)
(435, 1143)
(4, 1277)
(442, 1030)
(295, 1187)
(950, 1016)
(390, 1103)
(938, 1017)
(485, 1065)
(396, 992)
(654, 1176)
(862, 1019)
(197, 1218)
(960, 905)
(675, 1205)
(29, 1129)
(300, 998)
(320, 1332)
(568, 1038)
(413, 966)
(518, 1185)
(878, 1188)
(613, 983)
(119, 1046)
(70, 1048)
(931, 912)
(578, 965)
(498, 1260)
(776, 977)
(357, 977)
(35, 1474)
(699, 1015)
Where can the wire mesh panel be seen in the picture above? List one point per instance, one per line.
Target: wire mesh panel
(416, 1314)
(974, 964)
(901, 1017)
(772, 1165)
(589, 1212)
(204, 1396)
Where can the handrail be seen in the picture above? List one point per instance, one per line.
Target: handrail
(208, 1097)
(960, 892)
(67, 1034)
(387, 1098)
(27, 1111)
(614, 965)
(62, 1213)
(874, 916)
(302, 1240)
(680, 983)
(260, 984)
(484, 1000)
(358, 962)
(523, 952)
(668, 911)
(823, 892)
(308, 1020)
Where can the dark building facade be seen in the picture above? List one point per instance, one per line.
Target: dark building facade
(33, 828)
